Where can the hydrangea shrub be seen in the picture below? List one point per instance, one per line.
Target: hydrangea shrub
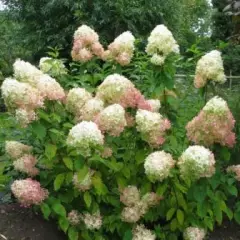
(103, 160)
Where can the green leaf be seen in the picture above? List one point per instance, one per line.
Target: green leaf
(82, 173)
(59, 209)
(173, 225)
(225, 154)
(45, 210)
(50, 151)
(140, 156)
(68, 177)
(162, 189)
(170, 213)
(63, 223)
(180, 216)
(68, 162)
(39, 130)
(72, 233)
(209, 223)
(128, 235)
(100, 187)
(79, 163)
(237, 217)
(87, 198)
(59, 181)
(218, 213)
(233, 190)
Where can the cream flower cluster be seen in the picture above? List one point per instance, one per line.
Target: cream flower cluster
(92, 221)
(155, 104)
(209, 67)
(86, 44)
(29, 192)
(112, 120)
(121, 49)
(158, 165)
(152, 126)
(196, 162)
(54, 67)
(84, 137)
(76, 98)
(161, 43)
(194, 233)
(136, 206)
(24, 117)
(85, 184)
(26, 164)
(142, 233)
(236, 170)
(16, 149)
(74, 217)
(216, 105)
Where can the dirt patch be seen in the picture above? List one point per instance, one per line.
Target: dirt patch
(17, 223)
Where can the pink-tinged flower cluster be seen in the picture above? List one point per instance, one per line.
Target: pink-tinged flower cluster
(209, 67)
(236, 170)
(194, 233)
(29, 192)
(92, 221)
(16, 149)
(142, 233)
(214, 124)
(24, 117)
(74, 217)
(152, 126)
(155, 104)
(85, 184)
(107, 152)
(117, 89)
(112, 120)
(121, 49)
(26, 164)
(136, 206)
(86, 44)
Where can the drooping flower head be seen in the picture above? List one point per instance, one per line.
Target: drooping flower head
(158, 165)
(130, 196)
(194, 233)
(142, 233)
(84, 137)
(152, 126)
(214, 124)
(112, 120)
(26, 72)
(209, 68)
(20, 95)
(76, 98)
(236, 170)
(16, 149)
(92, 221)
(29, 192)
(117, 89)
(91, 109)
(85, 184)
(26, 164)
(54, 67)
(161, 43)
(50, 88)
(122, 48)
(74, 217)
(196, 162)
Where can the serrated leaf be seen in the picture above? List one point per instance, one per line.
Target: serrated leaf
(68, 162)
(170, 213)
(72, 233)
(45, 210)
(59, 181)
(87, 199)
(39, 130)
(59, 209)
(180, 216)
(50, 151)
(63, 223)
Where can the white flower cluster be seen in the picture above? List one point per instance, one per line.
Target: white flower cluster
(210, 67)
(24, 117)
(113, 88)
(92, 221)
(142, 233)
(85, 184)
(155, 104)
(130, 196)
(112, 119)
(158, 165)
(160, 44)
(76, 98)
(91, 109)
(196, 162)
(216, 105)
(74, 217)
(194, 233)
(87, 34)
(54, 67)
(85, 136)
(16, 149)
